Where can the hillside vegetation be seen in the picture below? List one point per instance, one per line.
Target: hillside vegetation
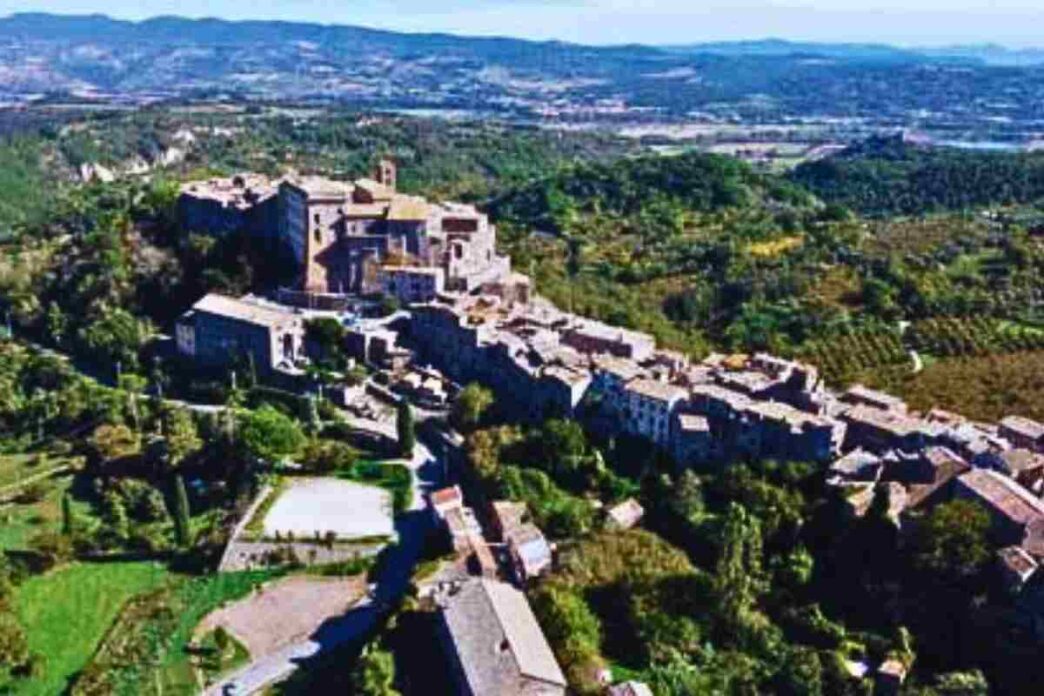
(885, 176)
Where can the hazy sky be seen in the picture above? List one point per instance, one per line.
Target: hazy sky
(923, 22)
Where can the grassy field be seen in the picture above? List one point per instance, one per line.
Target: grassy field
(66, 614)
(148, 642)
(20, 521)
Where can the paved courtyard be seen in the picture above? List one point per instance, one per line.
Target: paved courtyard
(349, 510)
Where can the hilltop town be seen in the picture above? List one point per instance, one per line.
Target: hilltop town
(461, 315)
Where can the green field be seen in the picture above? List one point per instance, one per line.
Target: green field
(148, 642)
(20, 521)
(66, 614)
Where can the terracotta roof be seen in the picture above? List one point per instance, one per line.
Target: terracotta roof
(1003, 495)
(447, 496)
(1024, 426)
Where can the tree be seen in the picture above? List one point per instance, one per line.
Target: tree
(111, 442)
(951, 543)
(470, 406)
(324, 338)
(181, 433)
(374, 673)
(686, 498)
(116, 337)
(326, 456)
(802, 673)
(738, 577)
(14, 648)
(221, 640)
(114, 513)
(270, 435)
(405, 428)
(57, 323)
(182, 530)
(67, 515)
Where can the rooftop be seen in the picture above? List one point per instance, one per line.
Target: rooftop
(497, 639)
(658, 391)
(245, 309)
(1004, 495)
(871, 396)
(1024, 426)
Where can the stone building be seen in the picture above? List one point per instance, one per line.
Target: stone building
(219, 206)
(494, 644)
(220, 330)
(366, 237)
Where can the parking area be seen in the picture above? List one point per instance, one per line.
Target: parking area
(284, 612)
(321, 505)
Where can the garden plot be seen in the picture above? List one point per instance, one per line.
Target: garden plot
(306, 507)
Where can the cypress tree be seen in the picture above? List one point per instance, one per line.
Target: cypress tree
(67, 515)
(405, 428)
(181, 512)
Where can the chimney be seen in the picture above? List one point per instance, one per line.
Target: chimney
(386, 173)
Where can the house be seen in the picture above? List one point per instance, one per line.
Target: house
(446, 499)
(1025, 466)
(1016, 568)
(890, 677)
(594, 337)
(879, 430)
(529, 551)
(494, 644)
(929, 477)
(857, 465)
(625, 515)
(220, 206)
(649, 406)
(1022, 432)
(1015, 513)
(693, 442)
(220, 330)
(508, 515)
(862, 396)
(531, 554)
(630, 688)
(461, 527)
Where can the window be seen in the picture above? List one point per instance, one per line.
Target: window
(318, 234)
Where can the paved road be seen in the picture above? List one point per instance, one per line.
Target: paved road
(412, 527)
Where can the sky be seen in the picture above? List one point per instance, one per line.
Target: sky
(1014, 23)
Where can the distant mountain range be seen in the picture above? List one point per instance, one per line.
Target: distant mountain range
(51, 56)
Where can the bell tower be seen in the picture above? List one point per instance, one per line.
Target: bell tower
(386, 173)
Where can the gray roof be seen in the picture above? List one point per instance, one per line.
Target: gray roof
(497, 639)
